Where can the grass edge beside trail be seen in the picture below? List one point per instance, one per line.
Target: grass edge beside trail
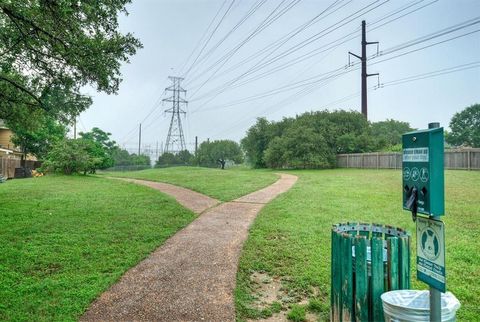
(84, 234)
(224, 185)
(290, 238)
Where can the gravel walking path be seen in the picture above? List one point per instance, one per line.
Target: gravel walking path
(190, 199)
(191, 277)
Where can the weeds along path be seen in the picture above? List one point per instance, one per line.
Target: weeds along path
(191, 277)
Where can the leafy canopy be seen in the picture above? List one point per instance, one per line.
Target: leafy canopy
(39, 138)
(219, 152)
(100, 146)
(181, 158)
(312, 139)
(390, 131)
(50, 49)
(71, 156)
(465, 126)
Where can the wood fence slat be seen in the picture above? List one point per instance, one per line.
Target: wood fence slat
(377, 279)
(404, 264)
(347, 292)
(392, 251)
(7, 167)
(361, 279)
(466, 159)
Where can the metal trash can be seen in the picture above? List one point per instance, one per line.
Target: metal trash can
(414, 306)
(367, 260)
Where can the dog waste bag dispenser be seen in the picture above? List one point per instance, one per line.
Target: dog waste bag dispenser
(423, 179)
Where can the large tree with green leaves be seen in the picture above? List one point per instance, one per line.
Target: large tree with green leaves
(299, 147)
(389, 132)
(183, 157)
(101, 147)
(40, 138)
(219, 152)
(49, 49)
(336, 132)
(256, 142)
(71, 156)
(465, 126)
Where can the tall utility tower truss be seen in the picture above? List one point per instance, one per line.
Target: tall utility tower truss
(175, 138)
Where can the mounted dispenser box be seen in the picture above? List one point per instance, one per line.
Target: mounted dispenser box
(423, 173)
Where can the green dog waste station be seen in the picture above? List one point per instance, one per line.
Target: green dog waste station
(367, 260)
(371, 263)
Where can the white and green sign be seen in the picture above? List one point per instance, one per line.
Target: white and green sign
(431, 252)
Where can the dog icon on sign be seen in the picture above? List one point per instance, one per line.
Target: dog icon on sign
(430, 244)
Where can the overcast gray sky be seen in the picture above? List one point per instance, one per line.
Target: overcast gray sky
(280, 82)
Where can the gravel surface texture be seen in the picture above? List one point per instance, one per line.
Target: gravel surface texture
(192, 200)
(191, 277)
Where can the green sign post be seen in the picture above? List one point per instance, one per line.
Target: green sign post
(424, 193)
(431, 252)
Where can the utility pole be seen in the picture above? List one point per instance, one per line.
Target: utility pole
(139, 137)
(365, 75)
(196, 145)
(175, 139)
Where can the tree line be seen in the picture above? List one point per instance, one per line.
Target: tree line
(210, 154)
(309, 140)
(312, 139)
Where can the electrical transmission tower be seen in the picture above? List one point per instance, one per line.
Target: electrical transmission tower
(175, 139)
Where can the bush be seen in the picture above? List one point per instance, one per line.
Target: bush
(219, 152)
(71, 156)
(181, 158)
(312, 139)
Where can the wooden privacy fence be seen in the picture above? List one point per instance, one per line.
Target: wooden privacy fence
(465, 159)
(367, 260)
(7, 167)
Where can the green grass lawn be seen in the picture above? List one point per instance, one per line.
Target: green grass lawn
(224, 185)
(290, 239)
(65, 240)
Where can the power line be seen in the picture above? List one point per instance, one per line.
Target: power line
(210, 37)
(408, 79)
(203, 36)
(282, 39)
(278, 106)
(334, 44)
(424, 47)
(317, 51)
(155, 105)
(260, 28)
(433, 35)
(302, 44)
(250, 12)
(444, 71)
(311, 80)
(283, 89)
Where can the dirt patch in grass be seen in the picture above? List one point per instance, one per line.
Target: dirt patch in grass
(271, 296)
(267, 289)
